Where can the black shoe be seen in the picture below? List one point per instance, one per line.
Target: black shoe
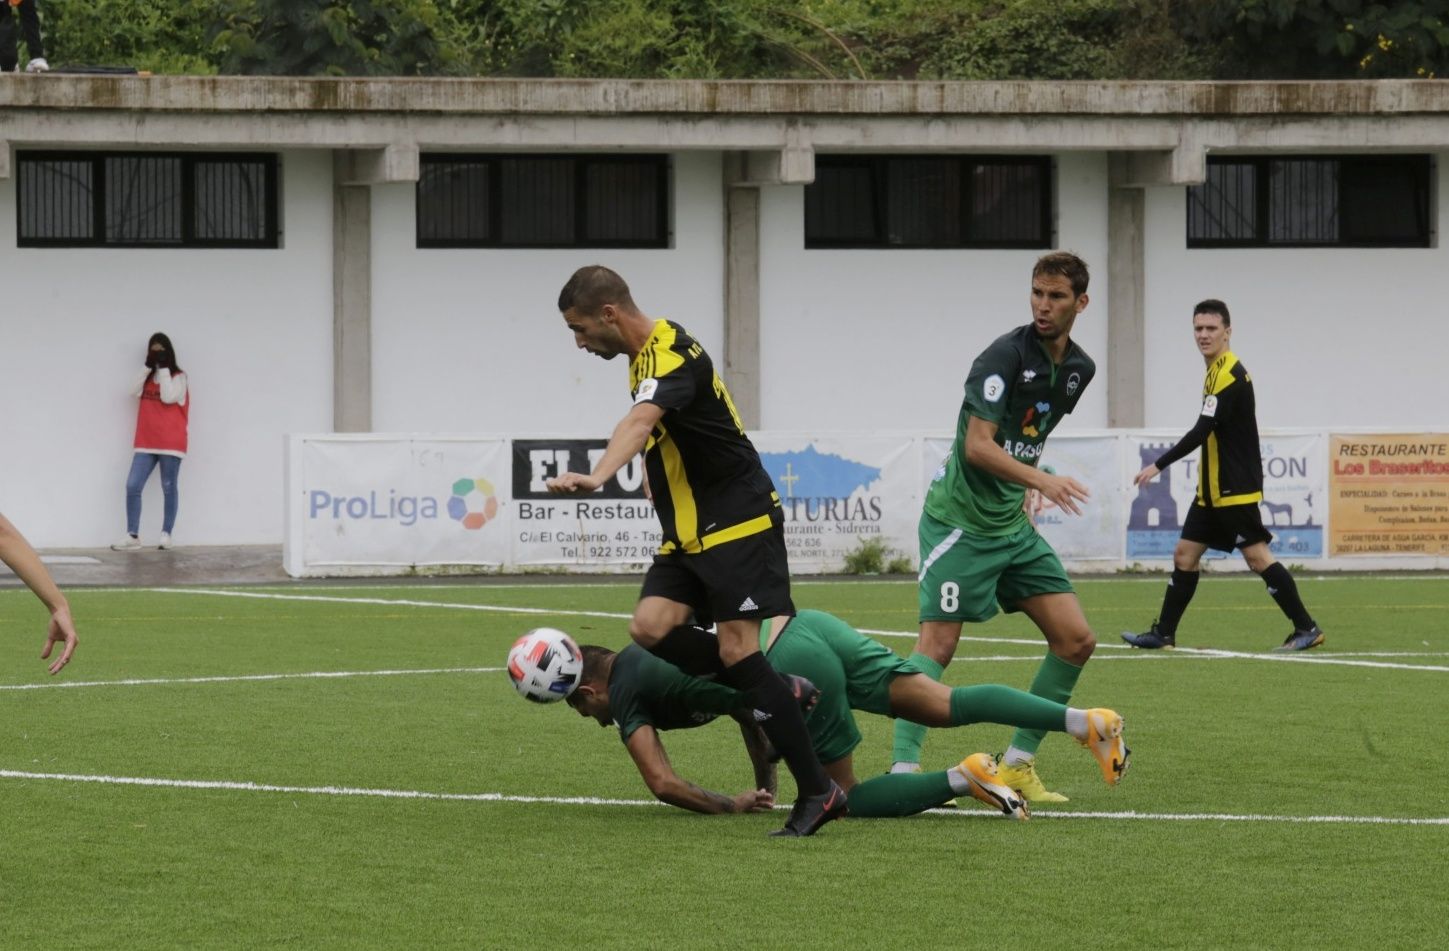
(812, 812)
(1152, 639)
(1301, 640)
(806, 694)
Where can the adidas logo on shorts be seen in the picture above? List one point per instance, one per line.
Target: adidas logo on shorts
(748, 604)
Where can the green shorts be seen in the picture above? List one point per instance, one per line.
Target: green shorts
(852, 671)
(964, 577)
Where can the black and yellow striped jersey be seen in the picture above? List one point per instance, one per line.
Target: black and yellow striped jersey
(1231, 469)
(706, 478)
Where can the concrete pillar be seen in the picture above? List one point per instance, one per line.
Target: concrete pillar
(1126, 305)
(351, 300)
(742, 301)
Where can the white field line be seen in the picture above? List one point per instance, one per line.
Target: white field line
(405, 602)
(233, 786)
(313, 675)
(1283, 658)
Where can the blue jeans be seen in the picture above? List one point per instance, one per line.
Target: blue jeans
(141, 465)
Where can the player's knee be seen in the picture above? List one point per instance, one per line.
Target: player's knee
(646, 632)
(1077, 647)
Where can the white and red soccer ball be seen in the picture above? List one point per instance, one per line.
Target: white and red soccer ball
(545, 665)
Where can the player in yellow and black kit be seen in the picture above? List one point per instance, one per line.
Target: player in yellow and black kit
(1225, 515)
(723, 556)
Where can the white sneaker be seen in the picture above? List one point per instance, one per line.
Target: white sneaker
(37, 65)
(165, 542)
(127, 543)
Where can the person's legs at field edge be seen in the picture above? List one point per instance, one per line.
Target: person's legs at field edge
(170, 470)
(141, 465)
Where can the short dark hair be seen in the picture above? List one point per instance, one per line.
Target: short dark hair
(1064, 264)
(596, 658)
(1214, 306)
(591, 288)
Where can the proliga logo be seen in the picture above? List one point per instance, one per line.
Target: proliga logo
(473, 503)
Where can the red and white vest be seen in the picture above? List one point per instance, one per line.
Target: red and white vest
(161, 427)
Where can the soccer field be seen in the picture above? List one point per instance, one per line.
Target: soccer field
(349, 767)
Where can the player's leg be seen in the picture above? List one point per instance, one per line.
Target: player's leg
(1098, 729)
(956, 584)
(748, 581)
(9, 48)
(1283, 590)
(1037, 585)
(662, 621)
(1200, 531)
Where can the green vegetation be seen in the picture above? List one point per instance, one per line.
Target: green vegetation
(763, 39)
(1197, 848)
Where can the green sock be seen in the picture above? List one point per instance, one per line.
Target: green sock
(1054, 680)
(899, 794)
(994, 703)
(909, 736)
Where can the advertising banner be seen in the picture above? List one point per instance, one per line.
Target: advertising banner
(615, 525)
(1293, 506)
(1390, 494)
(1094, 461)
(401, 501)
(840, 492)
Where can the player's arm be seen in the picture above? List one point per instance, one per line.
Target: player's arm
(983, 452)
(669, 787)
(758, 748)
(628, 440)
(16, 552)
(1212, 406)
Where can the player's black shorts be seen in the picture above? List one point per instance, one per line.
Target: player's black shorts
(745, 578)
(1226, 527)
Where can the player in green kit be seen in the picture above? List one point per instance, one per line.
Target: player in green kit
(644, 695)
(978, 547)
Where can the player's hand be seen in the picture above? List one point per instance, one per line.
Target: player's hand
(1035, 504)
(572, 482)
(1065, 492)
(62, 631)
(755, 800)
(1145, 476)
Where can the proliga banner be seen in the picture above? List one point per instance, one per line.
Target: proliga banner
(1390, 494)
(401, 502)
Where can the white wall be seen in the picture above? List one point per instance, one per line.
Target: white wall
(470, 340)
(1339, 337)
(883, 339)
(253, 330)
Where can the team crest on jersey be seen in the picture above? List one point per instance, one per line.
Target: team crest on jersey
(1035, 414)
(1073, 381)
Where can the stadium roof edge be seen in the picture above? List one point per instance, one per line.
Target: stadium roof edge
(623, 97)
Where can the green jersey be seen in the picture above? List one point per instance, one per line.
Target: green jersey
(1015, 385)
(646, 691)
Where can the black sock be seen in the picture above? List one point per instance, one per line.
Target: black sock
(1285, 591)
(784, 724)
(1179, 595)
(692, 649)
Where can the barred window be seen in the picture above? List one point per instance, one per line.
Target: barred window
(146, 199)
(543, 201)
(929, 201)
(1312, 201)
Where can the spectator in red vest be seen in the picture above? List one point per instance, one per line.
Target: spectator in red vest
(160, 438)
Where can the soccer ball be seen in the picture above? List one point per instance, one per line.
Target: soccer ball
(545, 665)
